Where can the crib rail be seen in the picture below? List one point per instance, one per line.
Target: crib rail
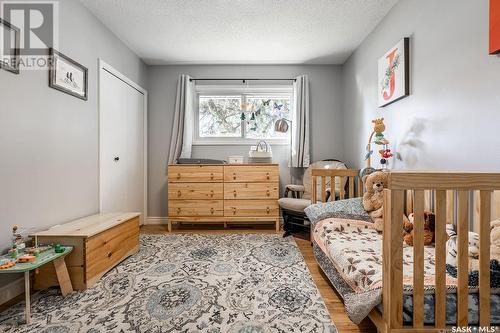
(350, 185)
(463, 187)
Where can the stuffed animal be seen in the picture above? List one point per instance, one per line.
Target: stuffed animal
(494, 246)
(373, 199)
(451, 246)
(429, 225)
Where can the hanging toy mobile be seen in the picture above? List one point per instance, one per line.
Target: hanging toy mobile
(377, 137)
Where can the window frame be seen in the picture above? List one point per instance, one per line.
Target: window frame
(244, 92)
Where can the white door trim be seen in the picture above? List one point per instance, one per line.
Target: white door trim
(108, 68)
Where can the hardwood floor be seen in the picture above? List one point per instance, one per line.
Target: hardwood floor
(332, 300)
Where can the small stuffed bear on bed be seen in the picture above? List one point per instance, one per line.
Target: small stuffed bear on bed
(429, 225)
(373, 199)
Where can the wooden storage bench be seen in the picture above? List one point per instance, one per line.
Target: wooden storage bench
(100, 242)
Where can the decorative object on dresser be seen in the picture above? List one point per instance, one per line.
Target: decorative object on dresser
(100, 242)
(223, 193)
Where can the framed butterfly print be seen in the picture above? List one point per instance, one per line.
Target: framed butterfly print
(67, 75)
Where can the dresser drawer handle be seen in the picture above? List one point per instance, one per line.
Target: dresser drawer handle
(268, 193)
(178, 176)
(109, 254)
(234, 193)
(212, 211)
(268, 176)
(179, 193)
(211, 193)
(234, 176)
(178, 210)
(268, 210)
(211, 176)
(234, 210)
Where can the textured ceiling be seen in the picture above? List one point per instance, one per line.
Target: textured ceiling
(241, 31)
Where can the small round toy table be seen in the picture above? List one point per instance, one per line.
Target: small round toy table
(43, 258)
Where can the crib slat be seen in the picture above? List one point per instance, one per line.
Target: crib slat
(351, 187)
(342, 187)
(393, 258)
(323, 189)
(418, 259)
(440, 248)
(462, 257)
(361, 187)
(484, 257)
(314, 190)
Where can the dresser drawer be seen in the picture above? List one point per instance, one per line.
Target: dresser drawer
(253, 174)
(251, 191)
(208, 191)
(251, 208)
(195, 173)
(195, 208)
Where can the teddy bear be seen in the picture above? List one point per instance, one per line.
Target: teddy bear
(373, 199)
(429, 225)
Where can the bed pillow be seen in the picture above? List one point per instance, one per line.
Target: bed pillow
(347, 209)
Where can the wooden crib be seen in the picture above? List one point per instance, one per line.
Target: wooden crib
(463, 198)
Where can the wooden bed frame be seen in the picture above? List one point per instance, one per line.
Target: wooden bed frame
(450, 195)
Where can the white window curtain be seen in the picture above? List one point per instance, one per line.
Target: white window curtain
(300, 157)
(181, 141)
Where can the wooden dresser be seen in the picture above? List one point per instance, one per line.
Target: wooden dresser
(100, 242)
(223, 193)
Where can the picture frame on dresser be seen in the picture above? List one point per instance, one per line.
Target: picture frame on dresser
(10, 50)
(67, 75)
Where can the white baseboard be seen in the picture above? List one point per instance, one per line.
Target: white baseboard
(156, 220)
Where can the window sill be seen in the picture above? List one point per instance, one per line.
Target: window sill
(239, 143)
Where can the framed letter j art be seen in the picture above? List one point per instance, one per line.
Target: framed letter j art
(394, 74)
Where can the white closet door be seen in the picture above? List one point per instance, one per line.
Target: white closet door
(122, 145)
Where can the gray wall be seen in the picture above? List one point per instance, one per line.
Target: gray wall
(326, 118)
(48, 139)
(454, 107)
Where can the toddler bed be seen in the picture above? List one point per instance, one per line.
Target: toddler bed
(401, 293)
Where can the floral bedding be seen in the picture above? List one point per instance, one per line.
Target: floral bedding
(349, 250)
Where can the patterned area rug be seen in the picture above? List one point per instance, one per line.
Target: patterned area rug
(189, 283)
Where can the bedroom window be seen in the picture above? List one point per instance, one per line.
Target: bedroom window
(239, 115)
